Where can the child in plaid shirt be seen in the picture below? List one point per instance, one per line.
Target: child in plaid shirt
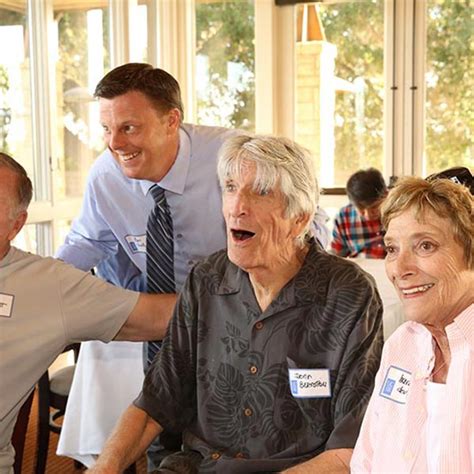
(357, 227)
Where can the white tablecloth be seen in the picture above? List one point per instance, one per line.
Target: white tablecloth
(392, 308)
(109, 376)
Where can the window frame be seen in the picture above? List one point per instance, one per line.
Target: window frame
(172, 23)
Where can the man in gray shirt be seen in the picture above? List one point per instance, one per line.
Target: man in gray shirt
(46, 305)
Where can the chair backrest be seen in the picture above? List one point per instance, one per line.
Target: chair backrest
(53, 392)
(19, 433)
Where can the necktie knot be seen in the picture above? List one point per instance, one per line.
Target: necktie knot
(158, 194)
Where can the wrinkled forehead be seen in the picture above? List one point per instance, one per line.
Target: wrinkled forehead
(417, 221)
(240, 166)
(252, 173)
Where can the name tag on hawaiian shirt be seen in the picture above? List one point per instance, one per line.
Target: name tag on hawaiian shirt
(137, 243)
(396, 385)
(310, 383)
(6, 305)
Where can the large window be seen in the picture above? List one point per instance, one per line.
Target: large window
(82, 59)
(15, 95)
(361, 83)
(225, 63)
(449, 83)
(340, 86)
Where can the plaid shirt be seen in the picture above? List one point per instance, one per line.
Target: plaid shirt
(354, 236)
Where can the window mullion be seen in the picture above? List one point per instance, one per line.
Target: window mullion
(419, 89)
(40, 110)
(119, 11)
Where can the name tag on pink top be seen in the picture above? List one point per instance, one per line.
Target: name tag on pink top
(396, 385)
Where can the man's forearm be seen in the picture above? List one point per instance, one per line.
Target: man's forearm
(132, 435)
(335, 461)
(149, 319)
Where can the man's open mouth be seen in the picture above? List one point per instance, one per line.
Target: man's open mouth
(241, 235)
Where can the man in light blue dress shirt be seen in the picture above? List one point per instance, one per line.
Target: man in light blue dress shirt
(147, 143)
(141, 113)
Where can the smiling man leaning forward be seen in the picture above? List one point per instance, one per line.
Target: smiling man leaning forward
(271, 353)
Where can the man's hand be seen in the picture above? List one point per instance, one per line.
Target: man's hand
(131, 436)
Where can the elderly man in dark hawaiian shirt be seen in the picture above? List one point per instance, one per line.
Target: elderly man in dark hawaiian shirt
(272, 351)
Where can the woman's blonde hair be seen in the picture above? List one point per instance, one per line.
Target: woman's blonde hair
(446, 199)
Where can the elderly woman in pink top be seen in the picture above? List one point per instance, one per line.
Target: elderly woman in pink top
(420, 416)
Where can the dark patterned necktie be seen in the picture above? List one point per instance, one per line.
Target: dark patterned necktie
(159, 254)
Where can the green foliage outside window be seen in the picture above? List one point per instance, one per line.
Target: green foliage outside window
(225, 34)
(449, 85)
(357, 31)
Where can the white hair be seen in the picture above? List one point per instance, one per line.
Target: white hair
(279, 162)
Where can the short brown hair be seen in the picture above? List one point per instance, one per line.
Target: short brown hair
(159, 86)
(24, 186)
(365, 187)
(445, 198)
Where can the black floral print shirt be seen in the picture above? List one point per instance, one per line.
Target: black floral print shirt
(222, 376)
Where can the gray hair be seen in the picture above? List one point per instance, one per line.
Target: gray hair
(279, 162)
(24, 186)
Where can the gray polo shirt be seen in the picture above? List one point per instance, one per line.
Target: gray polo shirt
(229, 374)
(45, 305)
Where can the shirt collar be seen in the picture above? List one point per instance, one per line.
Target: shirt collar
(175, 180)
(232, 279)
(463, 327)
(8, 258)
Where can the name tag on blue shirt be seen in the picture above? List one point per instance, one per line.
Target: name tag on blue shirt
(396, 385)
(310, 383)
(137, 243)
(6, 305)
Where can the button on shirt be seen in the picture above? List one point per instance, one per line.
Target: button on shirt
(393, 435)
(354, 236)
(226, 383)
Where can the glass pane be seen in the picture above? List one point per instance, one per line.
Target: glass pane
(225, 57)
(449, 80)
(82, 57)
(139, 35)
(340, 86)
(27, 239)
(15, 92)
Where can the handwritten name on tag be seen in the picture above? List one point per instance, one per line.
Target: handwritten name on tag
(137, 243)
(6, 305)
(396, 385)
(310, 383)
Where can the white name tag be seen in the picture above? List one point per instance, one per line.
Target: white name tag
(310, 383)
(137, 243)
(396, 385)
(6, 305)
